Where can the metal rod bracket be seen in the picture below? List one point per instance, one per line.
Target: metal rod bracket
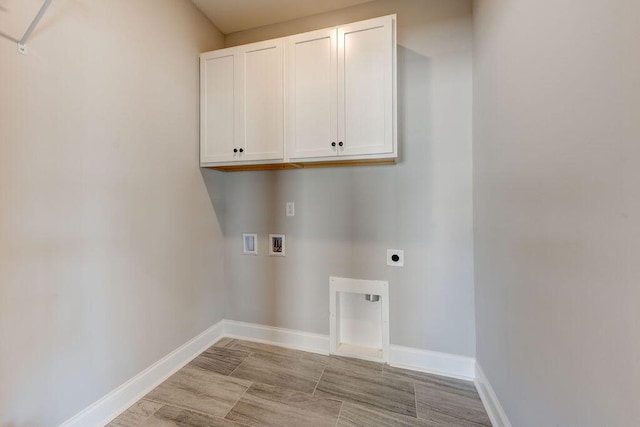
(22, 44)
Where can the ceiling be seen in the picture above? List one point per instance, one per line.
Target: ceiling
(238, 15)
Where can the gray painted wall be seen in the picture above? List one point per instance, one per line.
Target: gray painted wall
(557, 209)
(110, 249)
(346, 218)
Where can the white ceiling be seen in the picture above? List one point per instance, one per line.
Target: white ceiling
(238, 15)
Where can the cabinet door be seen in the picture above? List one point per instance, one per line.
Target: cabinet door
(366, 78)
(312, 103)
(218, 106)
(261, 130)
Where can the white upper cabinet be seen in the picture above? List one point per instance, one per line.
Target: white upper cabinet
(242, 104)
(340, 86)
(218, 105)
(341, 99)
(313, 98)
(262, 101)
(366, 84)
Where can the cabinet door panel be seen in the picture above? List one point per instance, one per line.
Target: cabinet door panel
(312, 96)
(217, 106)
(365, 87)
(262, 101)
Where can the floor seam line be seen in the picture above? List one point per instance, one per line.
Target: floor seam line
(415, 399)
(237, 401)
(339, 413)
(236, 368)
(318, 382)
(182, 407)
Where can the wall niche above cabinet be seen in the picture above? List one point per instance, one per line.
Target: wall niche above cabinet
(317, 99)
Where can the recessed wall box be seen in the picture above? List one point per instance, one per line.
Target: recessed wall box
(276, 245)
(250, 243)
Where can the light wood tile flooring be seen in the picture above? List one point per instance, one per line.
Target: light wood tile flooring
(242, 383)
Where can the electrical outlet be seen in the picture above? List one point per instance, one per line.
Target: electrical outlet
(395, 257)
(291, 209)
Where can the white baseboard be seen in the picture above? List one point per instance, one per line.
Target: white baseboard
(491, 403)
(433, 362)
(291, 338)
(110, 406)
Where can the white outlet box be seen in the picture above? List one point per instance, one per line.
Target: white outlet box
(395, 257)
(291, 209)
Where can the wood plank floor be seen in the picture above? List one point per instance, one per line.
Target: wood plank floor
(242, 383)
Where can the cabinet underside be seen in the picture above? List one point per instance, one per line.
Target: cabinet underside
(281, 166)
